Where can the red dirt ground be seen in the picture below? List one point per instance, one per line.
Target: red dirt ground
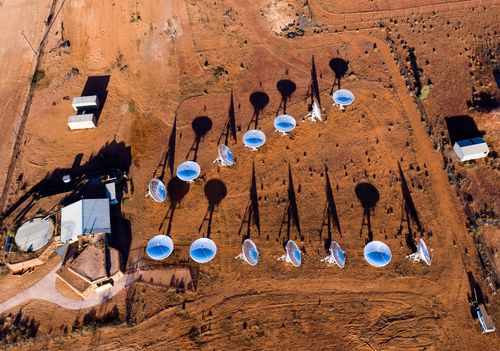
(271, 306)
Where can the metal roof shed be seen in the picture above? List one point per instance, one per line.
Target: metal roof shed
(471, 149)
(85, 103)
(87, 216)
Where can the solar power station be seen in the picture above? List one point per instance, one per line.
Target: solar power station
(249, 253)
(254, 139)
(160, 247)
(157, 190)
(293, 254)
(337, 256)
(422, 253)
(315, 113)
(284, 124)
(377, 254)
(342, 98)
(225, 157)
(188, 171)
(203, 250)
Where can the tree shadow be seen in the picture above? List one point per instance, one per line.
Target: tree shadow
(286, 87)
(97, 85)
(230, 126)
(168, 158)
(201, 126)
(476, 296)
(409, 214)
(112, 160)
(291, 214)
(368, 196)
(461, 128)
(252, 209)
(339, 67)
(417, 71)
(259, 101)
(313, 91)
(330, 215)
(215, 192)
(176, 191)
(18, 327)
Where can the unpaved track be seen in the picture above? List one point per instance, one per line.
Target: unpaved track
(45, 290)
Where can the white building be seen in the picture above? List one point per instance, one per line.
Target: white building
(83, 121)
(471, 149)
(87, 216)
(87, 103)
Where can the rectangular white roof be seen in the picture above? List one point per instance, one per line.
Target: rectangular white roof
(470, 149)
(87, 216)
(85, 102)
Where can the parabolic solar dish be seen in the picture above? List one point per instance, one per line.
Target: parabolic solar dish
(226, 157)
(294, 256)
(203, 250)
(157, 190)
(160, 247)
(377, 254)
(424, 252)
(254, 139)
(250, 252)
(188, 171)
(343, 97)
(285, 123)
(338, 254)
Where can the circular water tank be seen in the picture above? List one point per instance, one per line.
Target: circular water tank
(285, 123)
(203, 250)
(66, 178)
(250, 252)
(377, 254)
(188, 171)
(343, 97)
(160, 247)
(254, 139)
(34, 234)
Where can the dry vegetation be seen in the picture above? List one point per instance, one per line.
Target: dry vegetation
(410, 67)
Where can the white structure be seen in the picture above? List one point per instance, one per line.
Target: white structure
(315, 114)
(111, 192)
(87, 216)
(225, 157)
(34, 234)
(84, 121)
(471, 149)
(422, 253)
(87, 103)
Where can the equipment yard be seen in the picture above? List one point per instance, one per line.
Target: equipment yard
(171, 80)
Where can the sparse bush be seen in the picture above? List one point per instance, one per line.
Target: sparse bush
(132, 107)
(219, 71)
(38, 76)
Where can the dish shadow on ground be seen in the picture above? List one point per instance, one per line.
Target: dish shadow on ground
(259, 101)
(252, 215)
(201, 126)
(368, 196)
(330, 216)
(215, 191)
(291, 214)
